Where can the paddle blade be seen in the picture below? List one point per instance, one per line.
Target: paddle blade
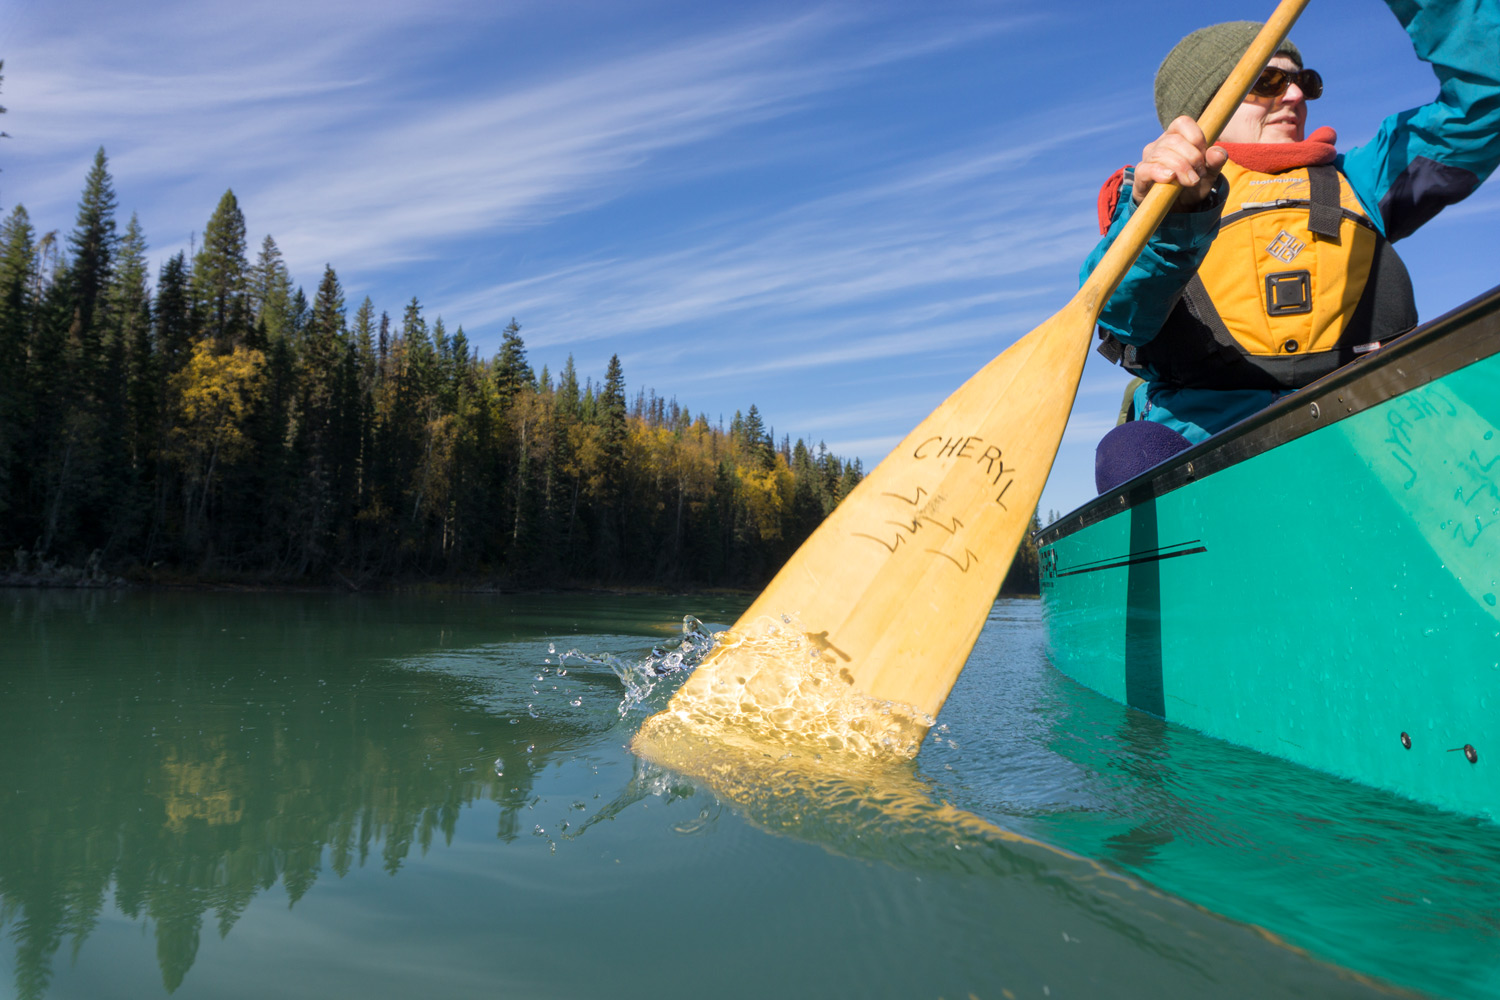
(891, 591)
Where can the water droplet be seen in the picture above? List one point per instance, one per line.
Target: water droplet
(530, 747)
(499, 767)
(1489, 599)
(576, 702)
(551, 647)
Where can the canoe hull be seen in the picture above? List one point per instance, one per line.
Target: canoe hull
(1322, 585)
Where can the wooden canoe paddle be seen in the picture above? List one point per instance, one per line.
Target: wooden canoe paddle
(890, 592)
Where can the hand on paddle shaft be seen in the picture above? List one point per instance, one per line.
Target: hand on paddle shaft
(1182, 154)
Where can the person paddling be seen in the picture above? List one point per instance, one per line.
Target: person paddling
(1275, 265)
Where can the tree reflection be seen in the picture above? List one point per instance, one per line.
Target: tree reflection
(178, 769)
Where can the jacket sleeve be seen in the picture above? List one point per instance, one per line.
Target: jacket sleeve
(1421, 161)
(1150, 289)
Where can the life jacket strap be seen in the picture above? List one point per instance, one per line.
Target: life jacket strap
(1324, 213)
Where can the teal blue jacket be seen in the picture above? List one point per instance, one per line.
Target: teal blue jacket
(1419, 162)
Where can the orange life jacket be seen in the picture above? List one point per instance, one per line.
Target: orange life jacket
(1297, 282)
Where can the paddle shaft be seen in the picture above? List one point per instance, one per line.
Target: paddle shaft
(1102, 283)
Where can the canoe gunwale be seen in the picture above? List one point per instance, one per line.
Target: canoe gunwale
(1458, 338)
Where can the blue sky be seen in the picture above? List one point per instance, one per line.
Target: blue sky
(836, 212)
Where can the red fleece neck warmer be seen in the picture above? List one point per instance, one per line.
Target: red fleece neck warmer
(1274, 157)
(1262, 157)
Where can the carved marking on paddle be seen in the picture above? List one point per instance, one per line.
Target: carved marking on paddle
(932, 506)
(920, 494)
(950, 530)
(910, 527)
(820, 640)
(991, 459)
(951, 447)
(963, 567)
(888, 546)
(966, 447)
(1000, 499)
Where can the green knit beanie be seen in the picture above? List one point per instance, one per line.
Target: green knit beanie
(1198, 65)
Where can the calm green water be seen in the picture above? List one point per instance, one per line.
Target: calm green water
(297, 795)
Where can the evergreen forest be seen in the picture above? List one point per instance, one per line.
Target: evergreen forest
(211, 423)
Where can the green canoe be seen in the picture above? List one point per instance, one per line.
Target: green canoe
(1319, 582)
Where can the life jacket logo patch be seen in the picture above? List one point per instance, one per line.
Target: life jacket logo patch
(1285, 246)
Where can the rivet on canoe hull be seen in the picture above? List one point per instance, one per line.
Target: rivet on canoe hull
(1406, 741)
(1314, 410)
(1470, 754)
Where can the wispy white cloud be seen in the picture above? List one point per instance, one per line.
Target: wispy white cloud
(827, 268)
(346, 158)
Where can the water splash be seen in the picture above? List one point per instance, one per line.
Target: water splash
(771, 682)
(642, 677)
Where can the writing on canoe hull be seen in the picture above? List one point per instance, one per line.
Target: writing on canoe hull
(1459, 480)
(919, 512)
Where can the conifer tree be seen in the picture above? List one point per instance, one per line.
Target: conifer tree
(77, 429)
(363, 335)
(93, 244)
(612, 417)
(460, 351)
(757, 441)
(512, 372)
(806, 511)
(175, 329)
(131, 308)
(129, 399)
(270, 291)
(321, 435)
(297, 316)
(367, 368)
(613, 428)
(567, 397)
(17, 262)
(219, 276)
(406, 422)
(445, 368)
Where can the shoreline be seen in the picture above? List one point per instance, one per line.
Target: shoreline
(19, 581)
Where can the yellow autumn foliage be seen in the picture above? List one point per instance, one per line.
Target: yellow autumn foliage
(765, 494)
(214, 393)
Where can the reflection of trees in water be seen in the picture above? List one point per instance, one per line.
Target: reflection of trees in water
(191, 774)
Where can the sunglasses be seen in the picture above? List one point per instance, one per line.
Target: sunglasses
(1274, 82)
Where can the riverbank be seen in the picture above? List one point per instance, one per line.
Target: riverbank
(30, 570)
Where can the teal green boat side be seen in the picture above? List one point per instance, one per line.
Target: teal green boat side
(1330, 598)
